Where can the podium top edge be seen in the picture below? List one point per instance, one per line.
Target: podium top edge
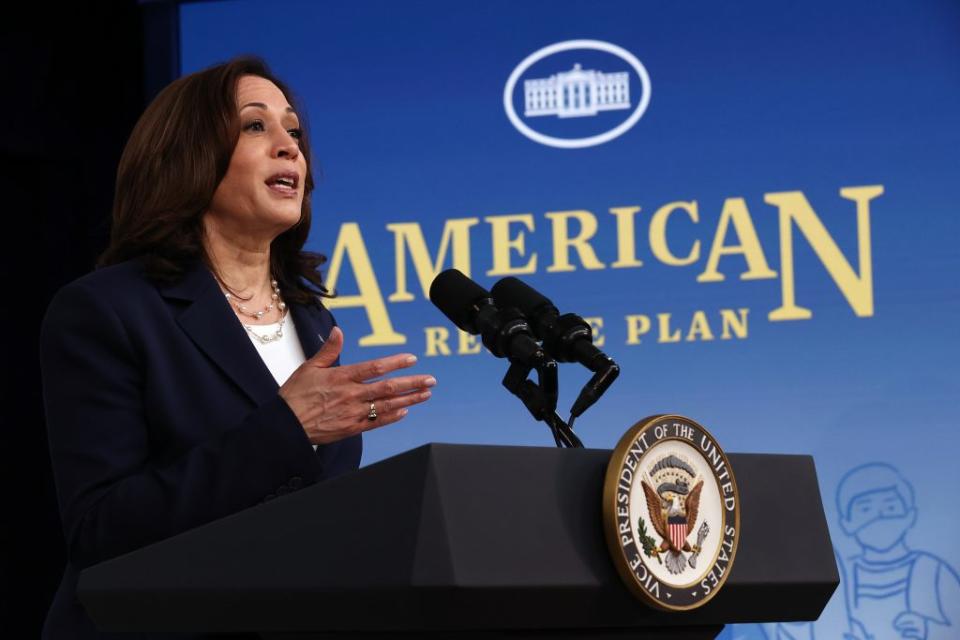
(431, 446)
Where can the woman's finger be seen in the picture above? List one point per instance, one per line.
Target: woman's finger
(389, 405)
(384, 419)
(396, 386)
(363, 371)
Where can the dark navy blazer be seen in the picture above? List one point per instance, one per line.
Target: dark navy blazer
(162, 417)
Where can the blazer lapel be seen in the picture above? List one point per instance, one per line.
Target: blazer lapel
(213, 326)
(309, 329)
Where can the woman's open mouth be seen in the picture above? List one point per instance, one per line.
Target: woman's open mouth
(285, 184)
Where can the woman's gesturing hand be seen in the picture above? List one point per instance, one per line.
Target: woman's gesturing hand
(333, 403)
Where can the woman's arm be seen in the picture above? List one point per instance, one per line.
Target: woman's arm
(113, 499)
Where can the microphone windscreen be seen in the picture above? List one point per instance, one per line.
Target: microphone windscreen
(511, 292)
(457, 296)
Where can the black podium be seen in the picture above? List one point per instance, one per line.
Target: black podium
(460, 541)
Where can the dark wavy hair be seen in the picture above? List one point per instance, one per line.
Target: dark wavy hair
(177, 154)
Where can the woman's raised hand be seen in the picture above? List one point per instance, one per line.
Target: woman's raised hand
(333, 403)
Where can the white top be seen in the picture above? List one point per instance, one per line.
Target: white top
(281, 356)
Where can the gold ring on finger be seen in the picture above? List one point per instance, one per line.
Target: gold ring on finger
(372, 414)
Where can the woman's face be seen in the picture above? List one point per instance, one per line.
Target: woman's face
(261, 194)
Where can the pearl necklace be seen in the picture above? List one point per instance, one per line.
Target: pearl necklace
(275, 301)
(270, 337)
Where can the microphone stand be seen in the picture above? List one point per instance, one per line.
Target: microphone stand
(540, 398)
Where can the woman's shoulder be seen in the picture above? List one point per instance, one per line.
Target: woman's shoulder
(127, 275)
(113, 287)
(91, 310)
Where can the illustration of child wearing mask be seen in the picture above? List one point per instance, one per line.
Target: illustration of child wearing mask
(892, 592)
(887, 591)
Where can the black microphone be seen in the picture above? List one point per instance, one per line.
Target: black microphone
(504, 332)
(567, 337)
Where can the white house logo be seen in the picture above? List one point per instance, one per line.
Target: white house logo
(578, 93)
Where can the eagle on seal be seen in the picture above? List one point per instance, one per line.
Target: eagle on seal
(673, 511)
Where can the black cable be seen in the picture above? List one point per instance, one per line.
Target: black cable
(569, 439)
(556, 437)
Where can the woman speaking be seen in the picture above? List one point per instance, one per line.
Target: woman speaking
(195, 373)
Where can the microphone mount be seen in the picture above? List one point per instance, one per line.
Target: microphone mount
(540, 398)
(567, 337)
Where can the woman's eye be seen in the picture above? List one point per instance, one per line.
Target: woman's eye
(257, 125)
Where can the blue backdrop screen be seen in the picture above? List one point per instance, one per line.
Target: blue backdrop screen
(754, 203)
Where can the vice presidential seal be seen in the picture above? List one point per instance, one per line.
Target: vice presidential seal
(671, 512)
